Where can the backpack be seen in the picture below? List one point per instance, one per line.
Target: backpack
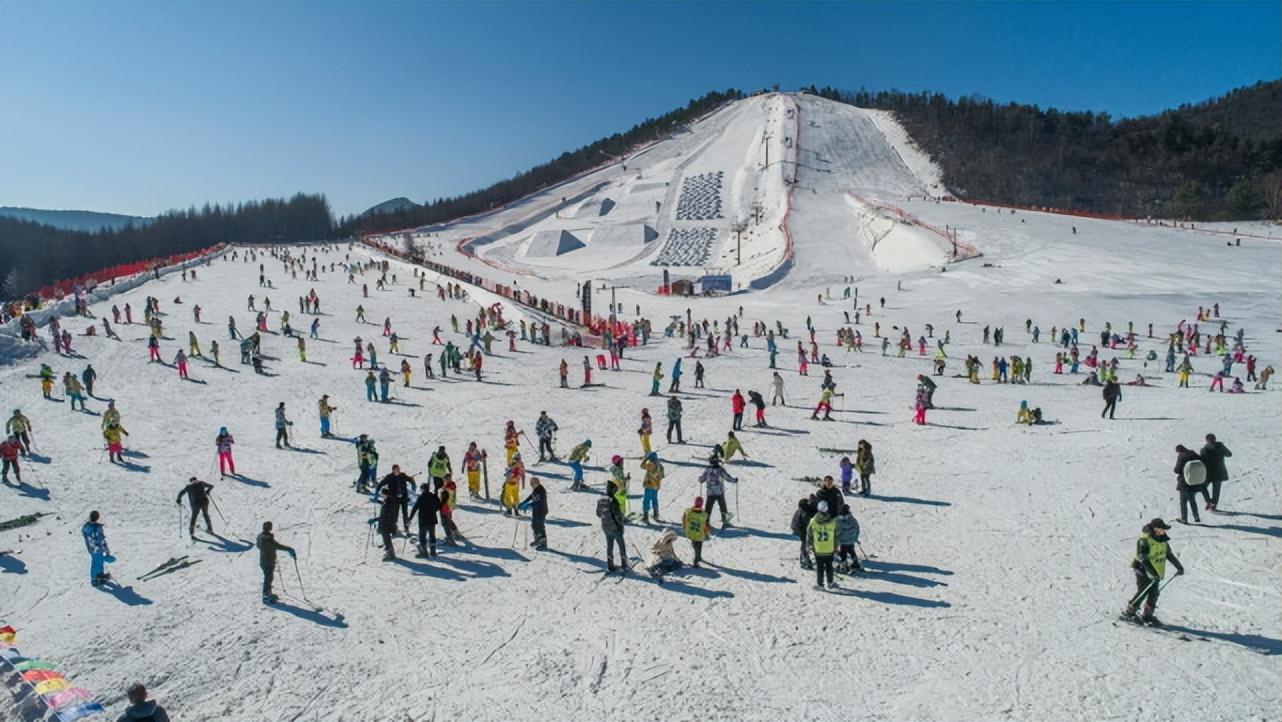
(604, 507)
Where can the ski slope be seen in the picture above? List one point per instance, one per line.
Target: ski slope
(998, 554)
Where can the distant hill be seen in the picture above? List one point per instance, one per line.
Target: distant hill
(392, 206)
(88, 221)
(1218, 159)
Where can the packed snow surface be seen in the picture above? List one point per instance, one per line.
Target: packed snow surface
(998, 555)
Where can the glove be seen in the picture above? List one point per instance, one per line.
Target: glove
(1179, 572)
(293, 554)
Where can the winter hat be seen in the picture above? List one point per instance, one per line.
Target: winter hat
(587, 442)
(1158, 524)
(652, 456)
(698, 502)
(223, 430)
(616, 459)
(823, 507)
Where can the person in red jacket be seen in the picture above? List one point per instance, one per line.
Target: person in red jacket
(10, 448)
(737, 405)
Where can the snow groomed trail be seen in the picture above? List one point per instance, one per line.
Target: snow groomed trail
(998, 554)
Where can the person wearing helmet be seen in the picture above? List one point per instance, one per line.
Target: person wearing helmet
(1152, 551)
(653, 480)
(821, 535)
(694, 522)
(578, 455)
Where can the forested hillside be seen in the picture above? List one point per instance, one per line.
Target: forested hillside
(33, 255)
(1220, 159)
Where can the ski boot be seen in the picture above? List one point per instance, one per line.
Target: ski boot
(270, 599)
(388, 556)
(422, 552)
(645, 519)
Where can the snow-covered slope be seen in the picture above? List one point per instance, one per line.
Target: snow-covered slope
(998, 554)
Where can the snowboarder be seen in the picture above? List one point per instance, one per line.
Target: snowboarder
(694, 522)
(99, 552)
(197, 493)
(1152, 551)
(267, 548)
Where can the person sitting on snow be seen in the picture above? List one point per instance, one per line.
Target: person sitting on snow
(1139, 381)
(663, 558)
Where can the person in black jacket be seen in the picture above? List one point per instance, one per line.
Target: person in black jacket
(537, 503)
(1112, 393)
(607, 510)
(1213, 455)
(1188, 493)
(426, 508)
(197, 493)
(1152, 552)
(831, 493)
(387, 522)
(267, 548)
(800, 522)
(140, 708)
(400, 486)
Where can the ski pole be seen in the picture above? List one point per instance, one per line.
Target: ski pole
(220, 511)
(861, 548)
(1143, 592)
(301, 591)
(180, 520)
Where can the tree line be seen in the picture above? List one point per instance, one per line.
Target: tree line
(1216, 160)
(564, 167)
(33, 255)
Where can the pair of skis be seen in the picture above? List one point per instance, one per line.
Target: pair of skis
(172, 565)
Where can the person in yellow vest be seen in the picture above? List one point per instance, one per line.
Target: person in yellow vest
(620, 479)
(695, 525)
(652, 482)
(647, 428)
(821, 535)
(1152, 551)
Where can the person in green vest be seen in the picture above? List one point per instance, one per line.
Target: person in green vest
(439, 467)
(1152, 551)
(821, 535)
(695, 524)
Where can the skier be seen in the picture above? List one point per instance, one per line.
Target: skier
(654, 474)
(694, 522)
(282, 426)
(1152, 551)
(115, 450)
(537, 504)
(180, 361)
(384, 383)
(267, 548)
(425, 509)
(153, 349)
(197, 493)
(564, 371)
(674, 419)
(924, 382)
(325, 411)
(675, 386)
(46, 381)
(366, 461)
(759, 404)
(663, 558)
(99, 552)
(821, 536)
(578, 455)
(825, 404)
(1213, 455)
(698, 374)
(847, 538)
(223, 443)
(511, 440)
(714, 480)
(776, 385)
(544, 428)
(656, 378)
(10, 449)
(448, 497)
(371, 383)
(400, 486)
(607, 510)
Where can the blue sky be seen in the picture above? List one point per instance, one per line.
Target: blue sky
(142, 107)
